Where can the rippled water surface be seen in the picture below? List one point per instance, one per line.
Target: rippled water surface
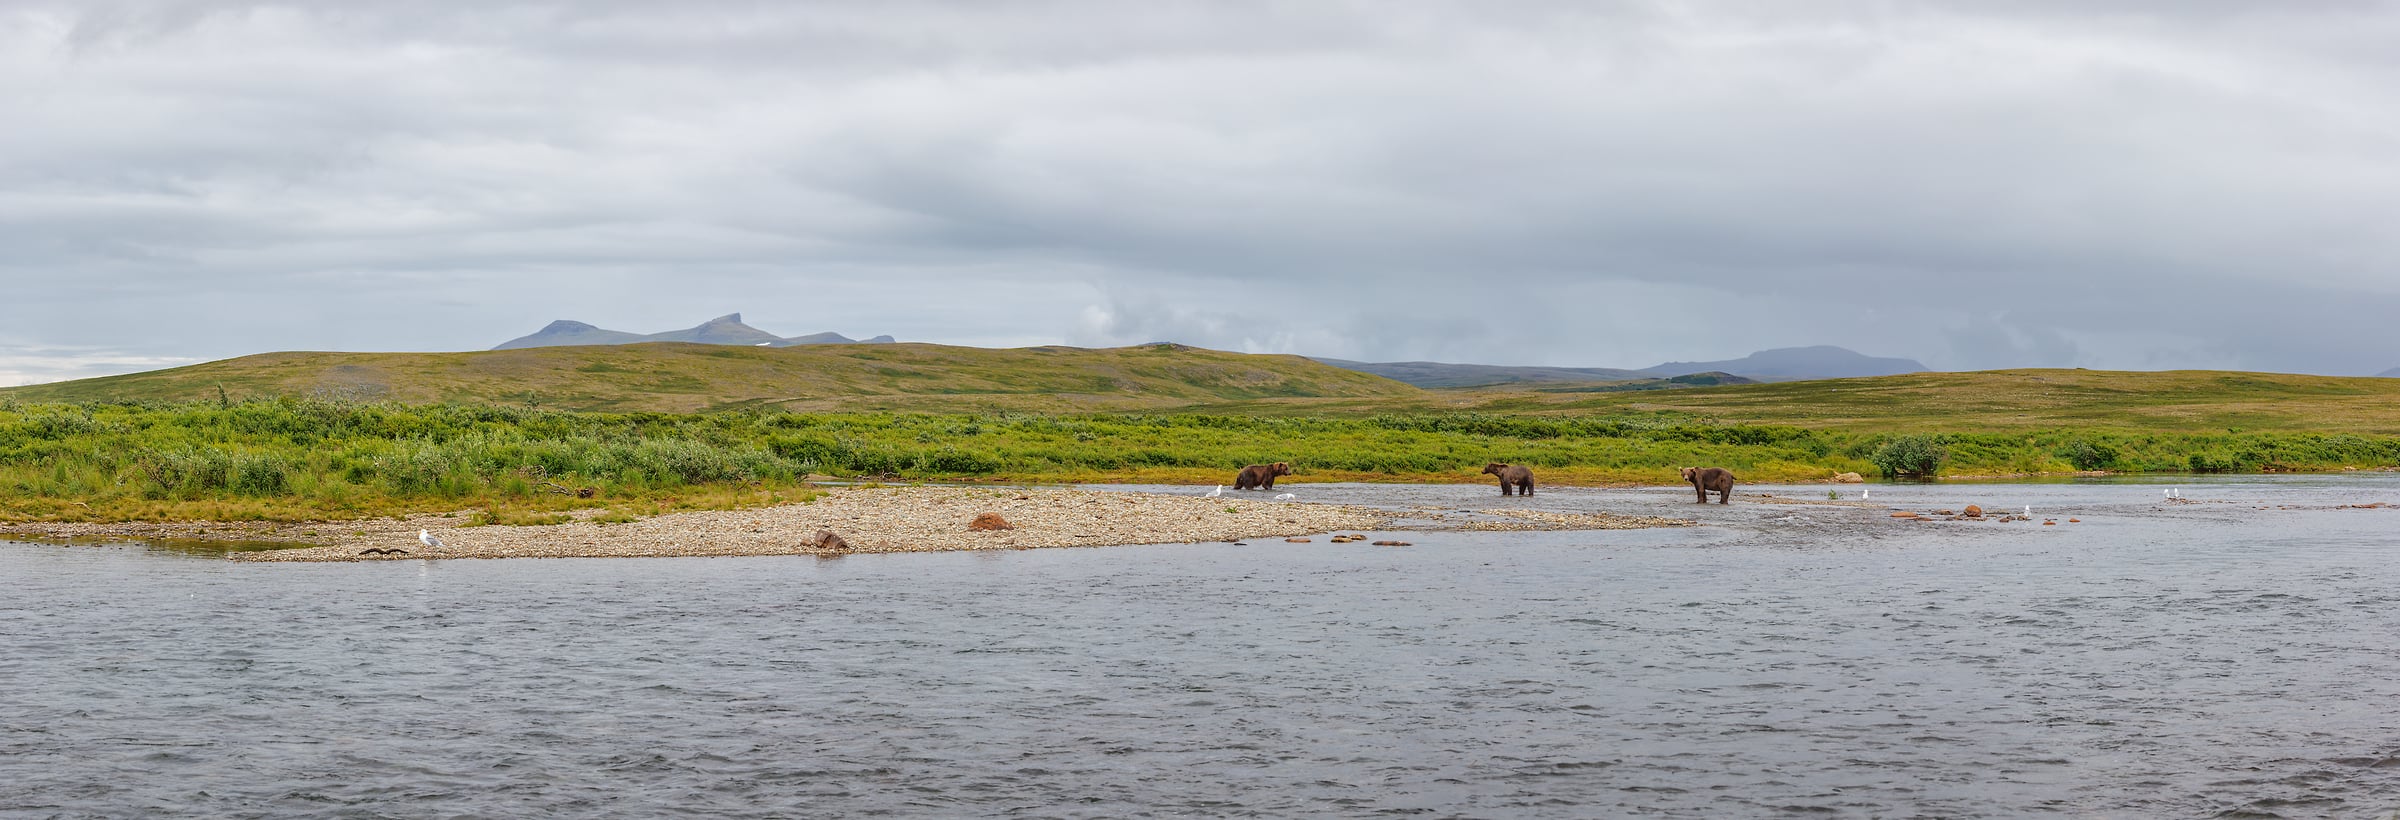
(2198, 659)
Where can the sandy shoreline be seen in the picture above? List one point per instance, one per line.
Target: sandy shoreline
(872, 520)
(888, 519)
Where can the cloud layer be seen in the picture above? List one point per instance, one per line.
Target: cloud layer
(2119, 184)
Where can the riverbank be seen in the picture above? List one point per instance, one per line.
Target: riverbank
(300, 460)
(868, 519)
(883, 519)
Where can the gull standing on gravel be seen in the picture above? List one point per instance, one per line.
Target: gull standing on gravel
(427, 539)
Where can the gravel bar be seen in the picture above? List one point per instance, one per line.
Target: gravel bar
(883, 519)
(869, 519)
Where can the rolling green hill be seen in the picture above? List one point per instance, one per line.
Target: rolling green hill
(2194, 401)
(309, 436)
(674, 377)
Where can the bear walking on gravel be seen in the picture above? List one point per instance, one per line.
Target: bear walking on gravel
(1706, 480)
(1513, 477)
(1261, 476)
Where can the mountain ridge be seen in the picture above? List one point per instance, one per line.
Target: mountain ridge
(1796, 364)
(1776, 365)
(723, 330)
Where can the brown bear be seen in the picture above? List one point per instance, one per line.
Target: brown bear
(1512, 477)
(1261, 476)
(1710, 479)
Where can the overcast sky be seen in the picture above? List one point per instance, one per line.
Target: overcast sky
(2106, 184)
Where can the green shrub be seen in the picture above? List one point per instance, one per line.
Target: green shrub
(951, 460)
(2086, 455)
(260, 476)
(1919, 456)
(189, 471)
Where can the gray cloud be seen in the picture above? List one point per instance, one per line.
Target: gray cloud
(2120, 184)
(21, 365)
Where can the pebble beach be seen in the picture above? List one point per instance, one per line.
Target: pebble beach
(868, 519)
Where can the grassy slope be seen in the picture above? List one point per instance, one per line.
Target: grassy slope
(670, 377)
(2184, 401)
(1132, 414)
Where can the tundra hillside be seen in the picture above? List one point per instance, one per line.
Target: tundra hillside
(683, 378)
(530, 435)
(310, 459)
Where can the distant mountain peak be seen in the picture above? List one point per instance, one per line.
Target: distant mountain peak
(1780, 364)
(723, 330)
(1796, 364)
(2393, 373)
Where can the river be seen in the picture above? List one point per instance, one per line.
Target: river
(2148, 659)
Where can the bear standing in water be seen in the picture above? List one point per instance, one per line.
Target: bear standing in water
(1512, 477)
(1710, 479)
(1261, 476)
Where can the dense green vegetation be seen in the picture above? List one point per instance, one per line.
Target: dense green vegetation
(294, 458)
(1914, 455)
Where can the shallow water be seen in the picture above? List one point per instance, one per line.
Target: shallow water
(2150, 660)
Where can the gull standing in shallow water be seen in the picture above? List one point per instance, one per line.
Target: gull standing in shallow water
(1220, 490)
(1286, 497)
(427, 539)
